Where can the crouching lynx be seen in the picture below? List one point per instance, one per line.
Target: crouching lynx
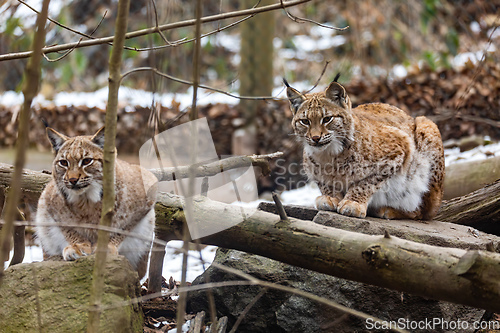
(74, 197)
(372, 159)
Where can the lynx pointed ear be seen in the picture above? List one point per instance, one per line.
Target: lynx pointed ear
(336, 93)
(98, 138)
(295, 97)
(56, 139)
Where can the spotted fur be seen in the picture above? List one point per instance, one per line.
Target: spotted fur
(74, 198)
(372, 159)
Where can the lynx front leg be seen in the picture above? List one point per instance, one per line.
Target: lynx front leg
(326, 202)
(77, 246)
(355, 202)
(330, 198)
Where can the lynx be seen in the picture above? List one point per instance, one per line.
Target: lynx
(73, 198)
(372, 159)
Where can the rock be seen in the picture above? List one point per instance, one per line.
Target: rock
(60, 291)
(278, 311)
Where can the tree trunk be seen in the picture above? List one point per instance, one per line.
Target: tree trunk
(255, 73)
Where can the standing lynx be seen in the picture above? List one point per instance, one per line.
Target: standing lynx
(373, 158)
(73, 197)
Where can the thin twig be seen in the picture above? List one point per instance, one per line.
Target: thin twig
(175, 79)
(156, 25)
(318, 80)
(185, 41)
(303, 20)
(478, 68)
(64, 55)
(59, 23)
(193, 141)
(279, 207)
(108, 185)
(247, 309)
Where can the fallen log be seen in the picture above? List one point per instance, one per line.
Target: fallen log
(463, 178)
(450, 274)
(479, 209)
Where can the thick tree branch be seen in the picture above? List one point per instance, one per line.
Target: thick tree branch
(211, 169)
(449, 274)
(143, 32)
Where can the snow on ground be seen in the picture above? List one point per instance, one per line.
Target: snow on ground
(172, 264)
(454, 155)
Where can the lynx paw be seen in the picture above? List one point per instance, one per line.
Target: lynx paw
(351, 208)
(77, 250)
(326, 202)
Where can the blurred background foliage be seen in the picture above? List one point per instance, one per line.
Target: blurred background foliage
(382, 34)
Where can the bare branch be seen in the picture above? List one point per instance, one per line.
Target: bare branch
(185, 41)
(64, 55)
(173, 78)
(60, 24)
(143, 32)
(211, 169)
(303, 20)
(319, 78)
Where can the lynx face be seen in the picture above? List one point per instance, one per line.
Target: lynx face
(322, 120)
(77, 167)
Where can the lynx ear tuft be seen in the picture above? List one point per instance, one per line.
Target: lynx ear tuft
(295, 97)
(336, 77)
(98, 138)
(336, 93)
(56, 139)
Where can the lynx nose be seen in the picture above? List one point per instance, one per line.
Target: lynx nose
(73, 181)
(316, 138)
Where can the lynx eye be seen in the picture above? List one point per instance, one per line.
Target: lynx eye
(87, 161)
(327, 120)
(305, 122)
(63, 163)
